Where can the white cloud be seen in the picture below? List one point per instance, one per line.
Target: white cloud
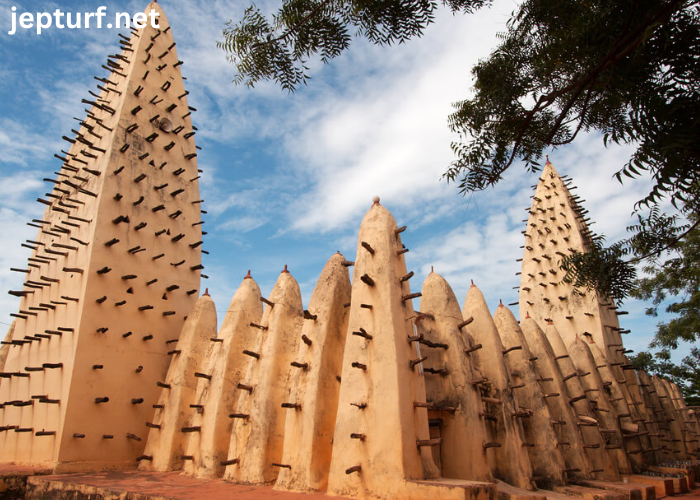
(242, 224)
(15, 231)
(387, 134)
(20, 144)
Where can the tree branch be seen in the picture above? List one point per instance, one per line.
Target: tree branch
(675, 240)
(630, 42)
(291, 30)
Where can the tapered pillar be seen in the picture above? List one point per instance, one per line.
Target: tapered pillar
(170, 426)
(635, 428)
(508, 459)
(556, 395)
(604, 411)
(668, 413)
(255, 450)
(220, 383)
(538, 424)
(451, 381)
(605, 467)
(316, 383)
(381, 437)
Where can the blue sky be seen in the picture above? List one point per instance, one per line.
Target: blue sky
(288, 178)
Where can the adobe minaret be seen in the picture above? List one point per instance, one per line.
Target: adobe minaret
(115, 268)
(381, 431)
(169, 428)
(315, 384)
(556, 227)
(257, 437)
(507, 455)
(452, 380)
(217, 391)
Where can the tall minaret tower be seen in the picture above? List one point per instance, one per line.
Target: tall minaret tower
(556, 227)
(114, 271)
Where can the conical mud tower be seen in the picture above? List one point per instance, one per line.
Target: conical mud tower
(652, 411)
(217, 392)
(381, 432)
(450, 381)
(115, 268)
(170, 427)
(255, 450)
(606, 414)
(542, 441)
(604, 466)
(555, 394)
(676, 443)
(507, 455)
(315, 385)
(382, 446)
(556, 227)
(632, 420)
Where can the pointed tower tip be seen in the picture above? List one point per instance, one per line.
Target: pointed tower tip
(248, 276)
(432, 269)
(500, 303)
(376, 200)
(285, 270)
(473, 283)
(548, 162)
(206, 292)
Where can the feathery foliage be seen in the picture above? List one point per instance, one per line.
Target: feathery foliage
(278, 49)
(676, 281)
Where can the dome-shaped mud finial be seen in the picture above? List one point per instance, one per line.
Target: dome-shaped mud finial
(285, 269)
(376, 200)
(248, 276)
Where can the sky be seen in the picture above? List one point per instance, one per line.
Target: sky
(288, 177)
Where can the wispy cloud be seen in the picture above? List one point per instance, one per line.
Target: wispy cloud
(243, 224)
(20, 144)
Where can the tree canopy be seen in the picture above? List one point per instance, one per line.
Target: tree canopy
(278, 49)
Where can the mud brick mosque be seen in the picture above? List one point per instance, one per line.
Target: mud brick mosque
(379, 390)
